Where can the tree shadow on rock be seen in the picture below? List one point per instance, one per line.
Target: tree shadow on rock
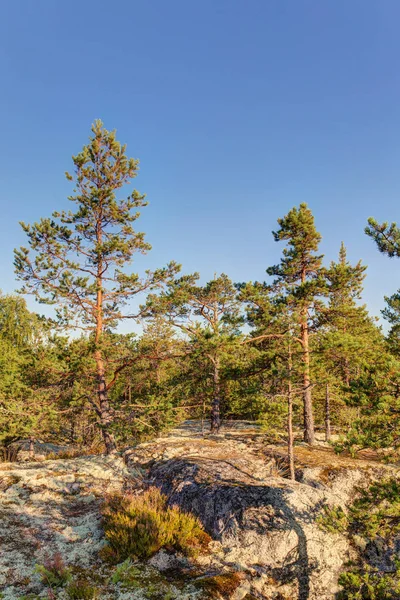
(230, 505)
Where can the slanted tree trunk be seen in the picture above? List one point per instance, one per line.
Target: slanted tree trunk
(290, 437)
(216, 401)
(327, 414)
(309, 435)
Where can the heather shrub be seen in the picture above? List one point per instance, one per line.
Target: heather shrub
(139, 526)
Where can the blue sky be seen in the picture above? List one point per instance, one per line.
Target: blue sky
(237, 111)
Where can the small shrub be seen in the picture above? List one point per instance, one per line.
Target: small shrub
(54, 573)
(333, 520)
(126, 574)
(82, 590)
(377, 511)
(139, 526)
(368, 585)
(375, 515)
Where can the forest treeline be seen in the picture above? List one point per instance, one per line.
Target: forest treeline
(296, 352)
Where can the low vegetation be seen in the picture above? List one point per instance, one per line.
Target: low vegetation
(371, 522)
(54, 572)
(138, 526)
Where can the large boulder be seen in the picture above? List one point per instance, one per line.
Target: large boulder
(266, 525)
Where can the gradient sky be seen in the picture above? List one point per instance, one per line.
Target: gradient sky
(237, 111)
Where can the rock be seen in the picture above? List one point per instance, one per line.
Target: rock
(266, 524)
(45, 509)
(168, 561)
(267, 543)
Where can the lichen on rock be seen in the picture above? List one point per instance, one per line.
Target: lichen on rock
(268, 542)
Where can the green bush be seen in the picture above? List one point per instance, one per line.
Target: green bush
(377, 511)
(375, 515)
(333, 519)
(368, 585)
(54, 573)
(139, 526)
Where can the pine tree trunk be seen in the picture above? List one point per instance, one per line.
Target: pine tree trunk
(104, 406)
(309, 435)
(327, 414)
(290, 419)
(216, 403)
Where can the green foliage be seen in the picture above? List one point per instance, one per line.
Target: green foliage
(272, 419)
(386, 237)
(210, 317)
(54, 572)
(139, 526)
(125, 574)
(376, 395)
(375, 515)
(333, 519)
(377, 511)
(25, 410)
(300, 267)
(369, 585)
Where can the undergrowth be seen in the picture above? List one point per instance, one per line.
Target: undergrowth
(375, 518)
(53, 572)
(333, 520)
(139, 526)
(369, 584)
(82, 590)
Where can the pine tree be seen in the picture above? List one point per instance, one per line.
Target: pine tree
(300, 280)
(274, 323)
(387, 238)
(25, 411)
(209, 315)
(77, 259)
(346, 327)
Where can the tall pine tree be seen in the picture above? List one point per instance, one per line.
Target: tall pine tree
(300, 280)
(77, 260)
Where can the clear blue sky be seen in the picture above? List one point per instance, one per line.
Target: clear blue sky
(237, 111)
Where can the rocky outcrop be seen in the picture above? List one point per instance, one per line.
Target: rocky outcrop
(266, 525)
(267, 542)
